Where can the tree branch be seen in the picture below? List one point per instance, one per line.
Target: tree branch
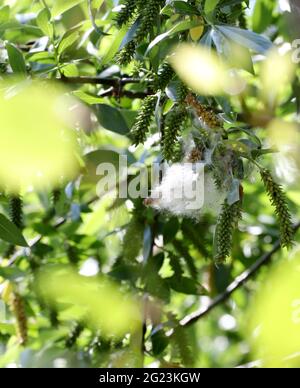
(236, 284)
(115, 82)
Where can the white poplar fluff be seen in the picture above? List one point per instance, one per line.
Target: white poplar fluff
(187, 191)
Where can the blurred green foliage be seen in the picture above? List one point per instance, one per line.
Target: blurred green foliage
(98, 281)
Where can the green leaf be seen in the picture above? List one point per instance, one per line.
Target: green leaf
(61, 6)
(130, 34)
(210, 5)
(68, 39)
(4, 14)
(16, 59)
(186, 285)
(43, 21)
(88, 98)
(262, 15)
(10, 233)
(247, 38)
(185, 8)
(111, 118)
(114, 47)
(179, 27)
(159, 342)
(11, 273)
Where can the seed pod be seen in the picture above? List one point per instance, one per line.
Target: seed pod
(126, 12)
(278, 200)
(227, 223)
(173, 124)
(205, 114)
(150, 13)
(164, 75)
(17, 307)
(74, 335)
(15, 209)
(126, 55)
(141, 126)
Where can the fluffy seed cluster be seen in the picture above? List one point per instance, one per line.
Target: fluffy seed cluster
(206, 115)
(187, 191)
(278, 200)
(143, 120)
(227, 223)
(18, 309)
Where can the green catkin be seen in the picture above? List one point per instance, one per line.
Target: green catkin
(182, 92)
(74, 335)
(3, 67)
(243, 20)
(126, 13)
(164, 76)
(227, 223)
(183, 345)
(56, 194)
(143, 120)
(150, 13)
(16, 210)
(278, 200)
(174, 122)
(18, 309)
(221, 17)
(126, 55)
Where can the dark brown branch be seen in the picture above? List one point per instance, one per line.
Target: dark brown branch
(115, 82)
(236, 284)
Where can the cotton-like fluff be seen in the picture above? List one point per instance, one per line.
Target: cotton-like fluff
(186, 190)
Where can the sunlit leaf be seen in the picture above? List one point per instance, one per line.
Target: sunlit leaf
(275, 316)
(201, 69)
(100, 302)
(61, 6)
(277, 72)
(37, 146)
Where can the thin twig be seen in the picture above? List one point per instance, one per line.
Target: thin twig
(236, 284)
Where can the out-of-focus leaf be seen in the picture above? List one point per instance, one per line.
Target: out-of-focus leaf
(210, 5)
(97, 300)
(10, 233)
(32, 131)
(4, 14)
(16, 59)
(262, 15)
(275, 316)
(201, 69)
(61, 6)
(274, 83)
